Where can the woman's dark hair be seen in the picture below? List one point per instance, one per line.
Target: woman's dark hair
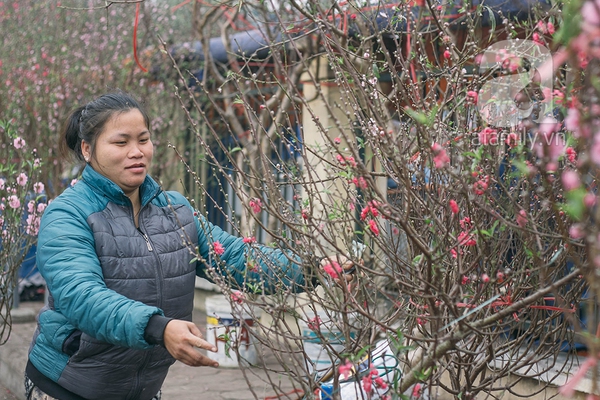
(87, 122)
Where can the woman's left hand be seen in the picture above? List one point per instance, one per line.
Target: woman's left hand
(348, 267)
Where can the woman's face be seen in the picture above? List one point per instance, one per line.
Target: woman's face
(123, 151)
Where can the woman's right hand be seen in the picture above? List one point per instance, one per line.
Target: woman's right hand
(183, 339)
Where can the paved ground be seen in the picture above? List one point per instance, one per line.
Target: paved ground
(6, 394)
(182, 383)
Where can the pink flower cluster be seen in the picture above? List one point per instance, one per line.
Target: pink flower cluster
(346, 160)
(218, 248)
(371, 208)
(522, 218)
(22, 179)
(488, 136)
(237, 297)
(545, 27)
(481, 186)
(373, 379)
(472, 97)
(314, 323)
(19, 143)
(255, 205)
(345, 370)
(466, 239)
(360, 182)
(453, 206)
(333, 269)
(373, 227)
(549, 144)
(440, 157)
(249, 240)
(33, 224)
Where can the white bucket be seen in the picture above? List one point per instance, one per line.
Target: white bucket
(222, 323)
(321, 341)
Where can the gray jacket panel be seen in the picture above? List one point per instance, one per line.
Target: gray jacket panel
(151, 265)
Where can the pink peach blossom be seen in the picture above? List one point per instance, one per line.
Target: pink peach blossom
(488, 136)
(22, 179)
(345, 370)
(416, 392)
(38, 187)
(440, 159)
(480, 187)
(237, 297)
(589, 200)
(522, 218)
(595, 150)
(333, 269)
(572, 121)
(571, 155)
(512, 140)
(548, 142)
(367, 383)
(465, 223)
(218, 248)
(373, 227)
(466, 239)
(570, 179)
(576, 232)
(472, 96)
(19, 143)
(314, 324)
(360, 182)
(453, 206)
(255, 205)
(33, 225)
(14, 202)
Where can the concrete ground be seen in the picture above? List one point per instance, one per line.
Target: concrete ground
(6, 394)
(182, 383)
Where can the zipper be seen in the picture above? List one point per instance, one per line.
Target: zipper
(146, 239)
(137, 380)
(159, 272)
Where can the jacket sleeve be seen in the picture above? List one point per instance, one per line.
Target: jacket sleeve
(254, 267)
(67, 259)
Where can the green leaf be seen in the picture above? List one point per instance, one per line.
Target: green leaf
(572, 28)
(574, 206)
(423, 375)
(376, 70)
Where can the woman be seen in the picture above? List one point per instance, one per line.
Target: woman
(117, 254)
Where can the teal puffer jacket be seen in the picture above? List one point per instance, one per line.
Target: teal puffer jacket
(107, 278)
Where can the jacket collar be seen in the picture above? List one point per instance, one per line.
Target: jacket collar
(107, 188)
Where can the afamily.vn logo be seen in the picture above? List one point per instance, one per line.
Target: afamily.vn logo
(518, 84)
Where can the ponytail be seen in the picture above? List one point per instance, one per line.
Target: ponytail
(71, 145)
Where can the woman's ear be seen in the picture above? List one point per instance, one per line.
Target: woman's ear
(86, 151)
